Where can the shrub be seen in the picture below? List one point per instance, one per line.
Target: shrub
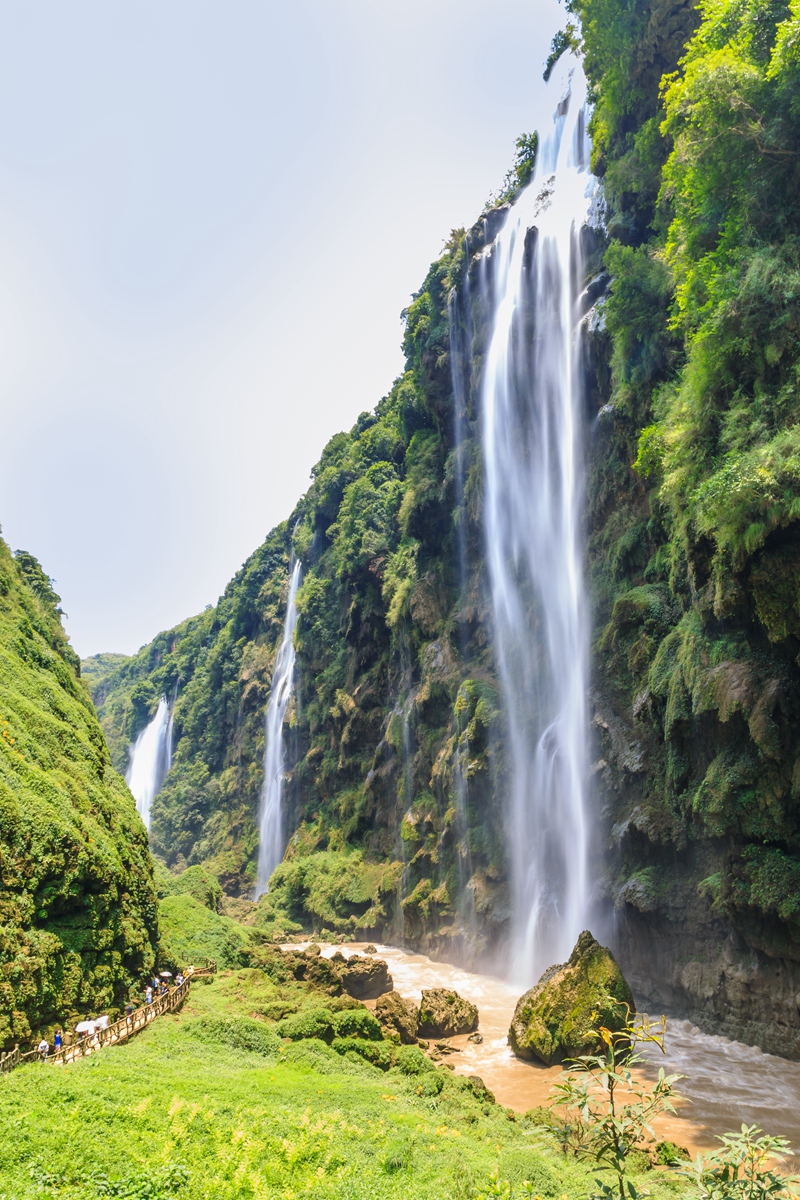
(239, 1033)
(411, 1061)
(313, 1023)
(379, 1054)
(357, 1022)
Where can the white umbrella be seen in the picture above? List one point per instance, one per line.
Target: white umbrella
(165, 974)
(84, 1027)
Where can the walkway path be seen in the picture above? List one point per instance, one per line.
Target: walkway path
(120, 1031)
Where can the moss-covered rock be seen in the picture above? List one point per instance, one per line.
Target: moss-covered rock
(443, 1013)
(399, 1018)
(553, 1020)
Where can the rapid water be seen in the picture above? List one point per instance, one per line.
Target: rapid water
(271, 840)
(532, 433)
(151, 759)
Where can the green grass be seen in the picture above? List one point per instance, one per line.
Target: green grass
(210, 1104)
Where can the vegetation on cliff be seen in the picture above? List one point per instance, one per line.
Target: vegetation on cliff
(77, 902)
(393, 677)
(694, 549)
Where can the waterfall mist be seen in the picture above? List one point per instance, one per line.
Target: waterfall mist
(271, 831)
(151, 759)
(532, 433)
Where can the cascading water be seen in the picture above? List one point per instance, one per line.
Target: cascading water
(532, 427)
(271, 841)
(151, 759)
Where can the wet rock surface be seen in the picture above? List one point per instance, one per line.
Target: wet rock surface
(553, 1020)
(398, 1017)
(443, 1013)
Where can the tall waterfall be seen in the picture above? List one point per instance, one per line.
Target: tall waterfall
(532, 430)
(271, 841)
(151, 759)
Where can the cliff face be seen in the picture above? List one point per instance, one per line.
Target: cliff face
(396, 743)
(694, 548)
(77, 902)
(393, 679)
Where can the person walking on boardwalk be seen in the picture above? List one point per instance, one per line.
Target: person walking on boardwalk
(57, 1041)
(148, 995)
(44, 1049)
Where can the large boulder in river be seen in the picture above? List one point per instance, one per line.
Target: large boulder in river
(365, 978)
(398, 1017)
(552, 1021)
(443, 1013)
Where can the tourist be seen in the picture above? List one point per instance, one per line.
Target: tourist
(178, 979)
(44, 1049)
(148, 995)
(57, 1041)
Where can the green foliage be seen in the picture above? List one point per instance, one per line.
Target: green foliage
(358, 1023)
(313, 1023)
(239, 1033)
(196, 882)
(527, 144)
(192, 934)
(744, 1168)
(613, 1111)
(77, 904)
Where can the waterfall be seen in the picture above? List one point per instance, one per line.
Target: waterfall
(532, 432)
(271, 840)
(151, 759)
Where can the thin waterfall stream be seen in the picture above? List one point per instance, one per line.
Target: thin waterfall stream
(151, 759)
(532, 431)
(271, 823)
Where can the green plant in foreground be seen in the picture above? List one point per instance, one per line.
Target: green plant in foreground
(744, 1168)
(503, 1188)
(607, 1111)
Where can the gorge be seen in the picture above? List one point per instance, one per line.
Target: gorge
(524, 656)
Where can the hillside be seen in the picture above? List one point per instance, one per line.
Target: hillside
(398, 746)
(77, 902)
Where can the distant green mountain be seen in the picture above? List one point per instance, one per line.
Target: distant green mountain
(78, 918)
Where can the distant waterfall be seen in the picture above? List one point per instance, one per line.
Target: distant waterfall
(151, 759)
(532, 431)
(271, 842)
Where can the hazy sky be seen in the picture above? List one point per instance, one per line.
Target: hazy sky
(211, 216)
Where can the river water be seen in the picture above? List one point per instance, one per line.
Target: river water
(725, 1084)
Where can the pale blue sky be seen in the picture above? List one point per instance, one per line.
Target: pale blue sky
(211, 216)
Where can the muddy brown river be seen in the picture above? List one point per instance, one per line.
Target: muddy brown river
(725, 1083)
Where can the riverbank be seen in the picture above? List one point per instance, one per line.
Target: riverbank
(725, 1083)
(210, 1102)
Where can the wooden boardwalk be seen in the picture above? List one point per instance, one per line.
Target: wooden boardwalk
(120, 1031)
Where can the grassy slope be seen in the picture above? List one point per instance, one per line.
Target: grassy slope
(77, 903)
(291, 1122)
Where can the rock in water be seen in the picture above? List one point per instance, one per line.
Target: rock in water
(443, 1013)
(552, 1020)
(366, 978)
(398, 1016)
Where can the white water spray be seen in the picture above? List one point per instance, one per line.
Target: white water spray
(532, 436)
(271, 841)
(151, 759)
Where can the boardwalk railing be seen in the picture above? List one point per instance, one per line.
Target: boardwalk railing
(120, 1031)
